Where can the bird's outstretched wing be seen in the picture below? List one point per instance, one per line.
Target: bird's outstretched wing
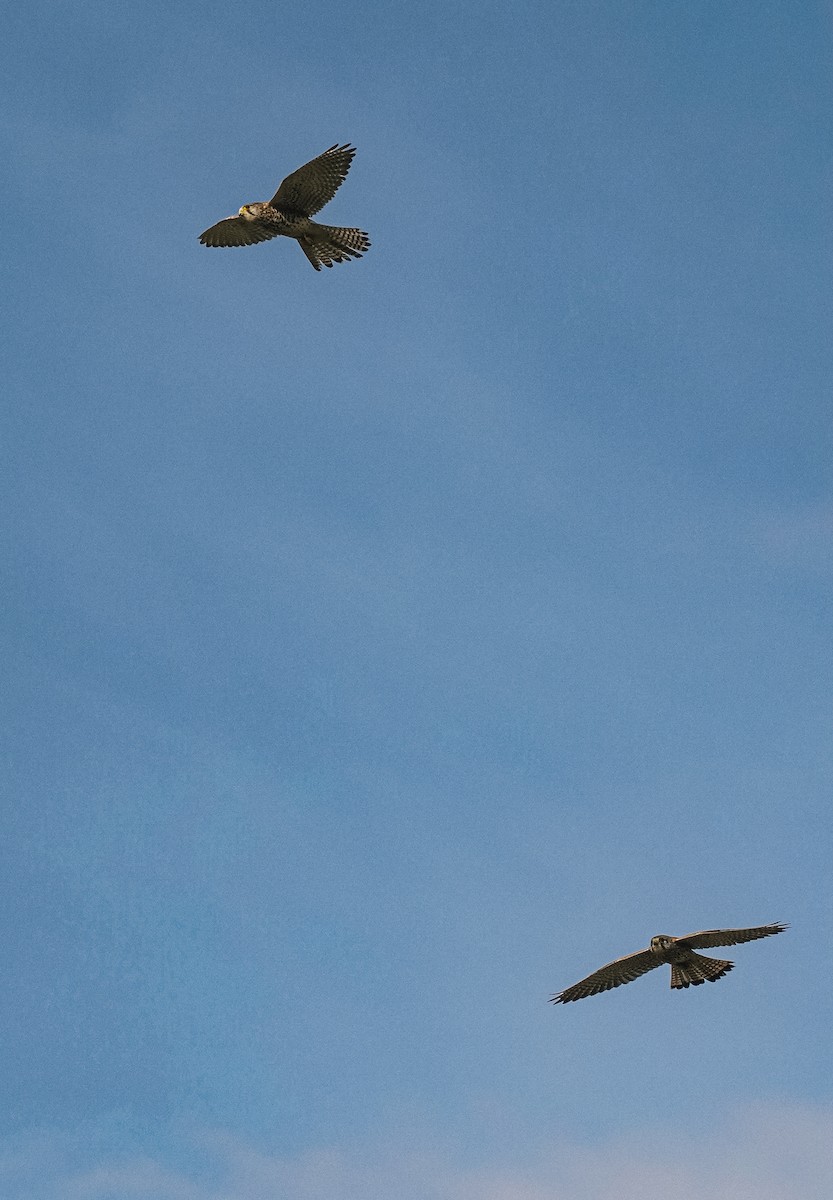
(312, 186)
(729, 937)
(234, 231)
(621, 970)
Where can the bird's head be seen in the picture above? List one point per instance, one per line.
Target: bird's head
(250, 212)
(661, 943)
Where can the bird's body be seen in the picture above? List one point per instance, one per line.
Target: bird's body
(687, 967)
(289, 213)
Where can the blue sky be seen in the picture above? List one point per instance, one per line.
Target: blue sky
(387, 648)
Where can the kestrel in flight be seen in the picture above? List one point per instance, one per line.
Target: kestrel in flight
(687, 968)
(288, 213)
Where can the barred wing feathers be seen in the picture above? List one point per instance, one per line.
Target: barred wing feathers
(234, 231)
(621, 970)
(729, 937)
(312, 186)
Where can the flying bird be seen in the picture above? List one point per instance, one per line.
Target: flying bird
(687, 968)
(288, 213)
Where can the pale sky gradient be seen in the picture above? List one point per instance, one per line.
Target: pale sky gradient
(387, 648)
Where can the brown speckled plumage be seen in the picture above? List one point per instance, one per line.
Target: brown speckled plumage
(289, 213)
(687, 968)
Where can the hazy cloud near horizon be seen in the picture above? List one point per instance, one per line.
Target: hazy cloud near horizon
(763, 1152)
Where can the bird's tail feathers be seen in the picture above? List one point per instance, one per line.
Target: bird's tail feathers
(697, 968)
(331, 243)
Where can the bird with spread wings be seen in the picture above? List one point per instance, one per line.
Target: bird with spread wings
(301, 195)
(687, 967)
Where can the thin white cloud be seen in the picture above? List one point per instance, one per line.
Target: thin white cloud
(801, 536)
(139, 1179)
(762, 1153)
